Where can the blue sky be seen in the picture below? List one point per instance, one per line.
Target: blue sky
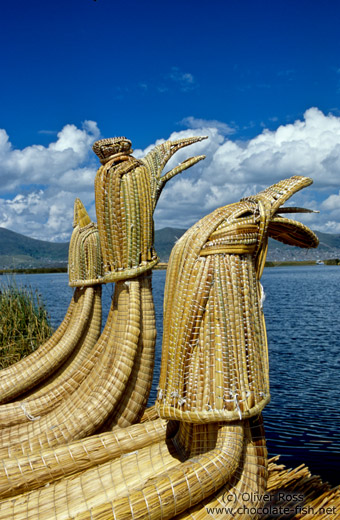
(261, 78)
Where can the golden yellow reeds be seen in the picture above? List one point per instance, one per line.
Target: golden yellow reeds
(44, 397)
(48, 465)
(126, 191)
(214, 375)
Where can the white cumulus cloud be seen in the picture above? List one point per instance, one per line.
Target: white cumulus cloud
(232, 169)
(39, 184)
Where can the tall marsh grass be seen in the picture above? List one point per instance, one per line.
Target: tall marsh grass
(24, 322)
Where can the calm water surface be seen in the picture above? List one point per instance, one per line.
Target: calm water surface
(302, 315)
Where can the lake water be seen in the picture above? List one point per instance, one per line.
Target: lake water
(302, 305)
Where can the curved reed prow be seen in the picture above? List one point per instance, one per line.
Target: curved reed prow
(85, 263)
(214, 371)
(81, 326)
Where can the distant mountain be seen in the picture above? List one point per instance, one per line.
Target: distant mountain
(20, 251)
(17, 251)
(165, 240)
(329, 247)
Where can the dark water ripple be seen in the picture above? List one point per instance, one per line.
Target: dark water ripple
(302, 304)
(303, 418)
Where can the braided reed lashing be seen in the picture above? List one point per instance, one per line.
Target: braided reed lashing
(85, 264)
(126, 192)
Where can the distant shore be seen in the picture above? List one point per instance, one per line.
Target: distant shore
(162, 266)
(33, 270)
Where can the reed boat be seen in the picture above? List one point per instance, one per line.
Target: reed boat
(76, 439)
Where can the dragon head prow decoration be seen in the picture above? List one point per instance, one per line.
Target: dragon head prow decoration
(269, 203)
(214, 353)
(127, 190)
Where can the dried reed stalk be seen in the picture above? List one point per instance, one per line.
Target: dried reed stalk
(316, 498)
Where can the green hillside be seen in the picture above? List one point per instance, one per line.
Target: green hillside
(165, 240)
(17, 250)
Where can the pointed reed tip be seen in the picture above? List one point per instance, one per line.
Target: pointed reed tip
(198, 138)
(294, 209)
(81, 217)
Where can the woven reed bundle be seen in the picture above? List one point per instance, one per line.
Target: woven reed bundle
(70, 498)
(90, 405)
(46, 466)
(149, 414)
(246, 486)
(126, 191)
(215, 361)
(135, 397)
(36, 367)
(242, 492)
(66, 341)
(245, 491)
(64, 381)
(85, 264)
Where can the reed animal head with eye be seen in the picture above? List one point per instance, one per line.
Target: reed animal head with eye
(127, 190)
(215, 357)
